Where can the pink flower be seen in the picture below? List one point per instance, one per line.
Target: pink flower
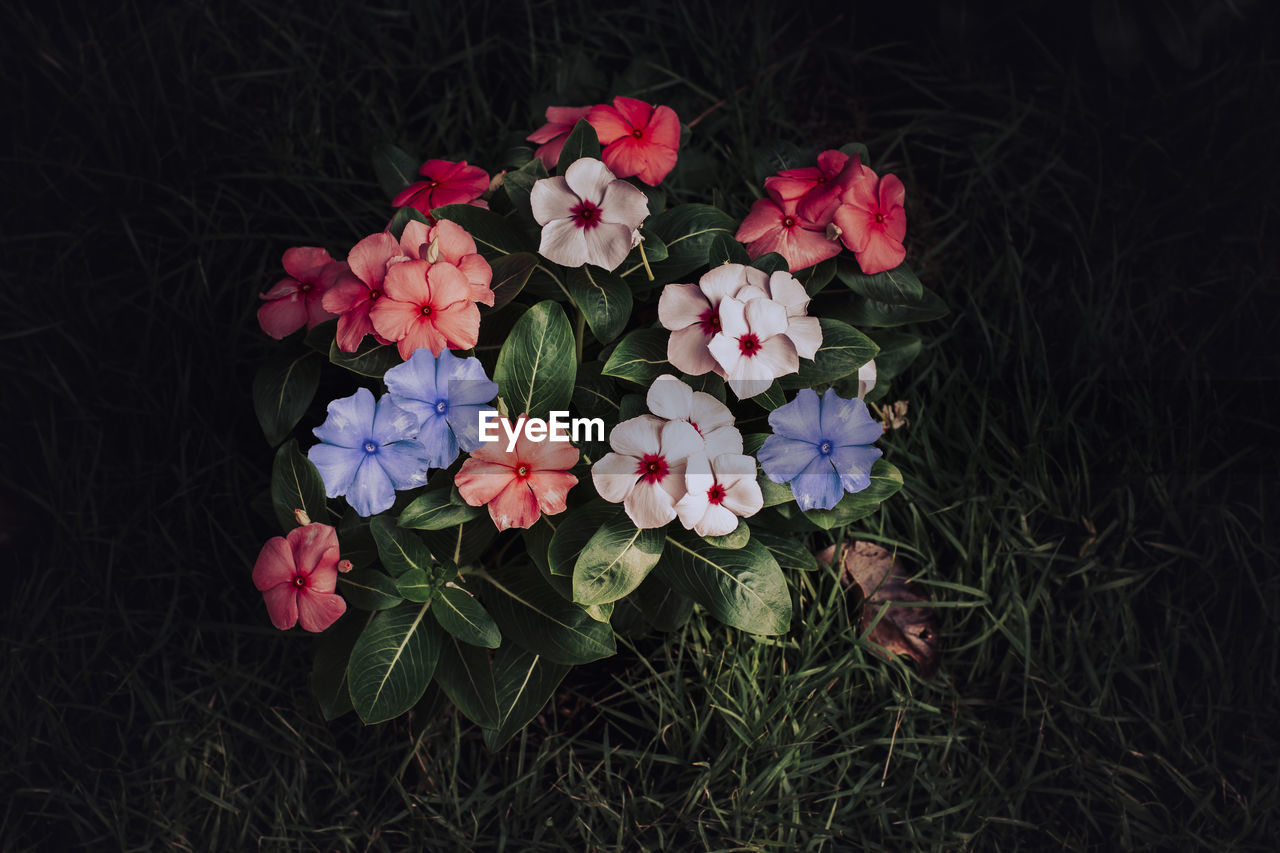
(872, 221)
(453, 245)
(773, 225)
(446, 183)
(551, 136)
(359, 289)
(639, 139)
(720, 491)
(426, 305)
(297, 301)
(691, 312)
(797, 183)
(752, 346)
(297, 576)
(521, 485)
(588, 216)
(645, 471)
(670, 398)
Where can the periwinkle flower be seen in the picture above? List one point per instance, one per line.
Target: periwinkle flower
(447, 394)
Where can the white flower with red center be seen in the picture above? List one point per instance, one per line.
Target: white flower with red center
(752, 345)
(645, 471)
(670, 398)
(785, 289)
(720, 491)
(588, 216)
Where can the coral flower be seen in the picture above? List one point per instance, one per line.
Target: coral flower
(588, 216)
(691, 312)
(552, 135)
(521, 485)
(297, 576)
(639, 139)
(645, 471)
(445, 182)
(720, 491)
(426, 305)
(298, 301)
(359, 289)
(774, 225)
(452, 245)
(752, 346)
(872, 221)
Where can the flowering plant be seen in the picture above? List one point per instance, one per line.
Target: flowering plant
(567, 406)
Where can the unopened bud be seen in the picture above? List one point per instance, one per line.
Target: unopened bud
(833, 231)
(433, 251)
(344, 566)
(302, 517)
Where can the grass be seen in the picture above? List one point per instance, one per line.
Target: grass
(1090, 495)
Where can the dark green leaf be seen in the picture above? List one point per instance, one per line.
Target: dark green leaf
(857, 148)
(770, 262)
(462, 544)
(724, 249)
(844, 349)
(296, 484)
(466, 677)
(790, 552)
(282, 390)
(369, 589)
(400, 550)
(594, 395)
(525, 682)
(355, 539)
(537, 365)
(416, 585)
(510, 273)
(898, 286)
(392, 662)
(708, 383)
(572, 535)
(615, 561)
(772, 397)
(369, 359)
(402, 217)
(532, 615)
(464, 617)
(687, 230)
(581, 142)
(640, 357)
(436, 510)
(494, 234)
(818, 276)
(321, 336)
(329, 671)
(519, 184)
(886, 480)
(395, 168)
(662, 606)
(742, 588)
(871, 313)
(735, 539)
(897, 351)
(602, 297)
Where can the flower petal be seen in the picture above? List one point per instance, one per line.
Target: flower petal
(853, 465)
(588, 178)
(670, 398)
(608, 123)
(778, 356)
(318, 610)
(637, 436)
(315, 548)
(515, 506)
(479, 482)
(392, 423)
(350, 420)
(305, 262)
(614, 476)
(564, 243)
(406, 463)
(551, 489)
(847, 422)
(817, 486)
(608, 244)
(624, 204)
(806, 335)
(687, 351)
(282, 605)
(881, 253)
(407, 282)
(718, 520)
(551, 199)
(337, 466)
(765, 217)
(725, 439)
(681, 305)
(800, 419)
(274, 565)
(459, 323)
(649, 505)
(680, 441)
(784, 458)
(370, 491)
(765, 317)
(368, 258)
(663, 129)
(282, 317)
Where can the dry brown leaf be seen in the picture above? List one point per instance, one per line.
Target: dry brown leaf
(905, 628)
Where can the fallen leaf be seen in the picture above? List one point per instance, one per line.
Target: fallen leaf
(906, 628)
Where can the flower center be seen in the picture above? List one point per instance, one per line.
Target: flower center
(749, 345)
(523, 471)
(879, 217)
(432, 184)
(306, 287)
(715, 494)
(300, 581)
(638, 133)
(825, 447)
(426, 310)
(695, 426)
(652, 468)
(710, 322)
(585, 214)
(370, 446)
(374, 294)
(788, 222)
(441, 406)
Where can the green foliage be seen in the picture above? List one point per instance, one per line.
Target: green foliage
(536, 366)
(392, 662)
(282, 390)
(296, 484)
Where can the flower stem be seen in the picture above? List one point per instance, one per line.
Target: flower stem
(644, 259)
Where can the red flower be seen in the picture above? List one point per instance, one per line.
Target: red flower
(797, 183)
(360, 288)
(639, 139)
(872, 221)
(297, 576)
(551, 136)
(297, 301)
(521, 485)
(446, 183)
(773, 225)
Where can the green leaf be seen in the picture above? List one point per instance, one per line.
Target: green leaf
(466, 677)
(771, 262)
(321, 336)
(400, 550)
(329, 670)
(572, 535)
(897, 351)
(581, 142)
(886, 480)
(742, 588)
(510, 274)
(603, 298)
(791, 553)
(654, 250)
(462, 544)
(844, 349)
(735, 539)
(436, 510)
(524, 682)
(632, 406)
(771, 397)
(416, 585)
(724, 249)
(594, 395)
(369, 359)
(708, 383)
(615, 561)
(464, 617)
(774, 493)
(870, 313)
(296, 484)
(494, 234)
(392, 662)
(662, 606)
(519, 185)
(818, 276)
(369, 589)
(402, 217)
(687, 230)
(898, 286)
(640, 357)
(395, 168)
(282, 390)
(537, 364)
(532, 615)
(356, 539)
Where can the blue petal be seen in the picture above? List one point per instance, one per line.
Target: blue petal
(371, 491)
(463, 381)
(847, 422)
(784, 458)
(350, 420)
(465, 423)
(415, 379)
(817, 486)
(420, 409)
(393, 423)
(439, 446)
(405, 462)
(798, 419)
(853, 464)
(337, 466)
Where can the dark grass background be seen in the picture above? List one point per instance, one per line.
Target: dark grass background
(1092, 461)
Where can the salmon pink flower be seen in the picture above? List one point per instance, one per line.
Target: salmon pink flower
(691, 312)
(639, 139)
(446, 182)
(426, 305)
(520, 485)
(872, 221)
(298, 301)
(297, 576)
(452, 245)
(752, 345)
(360, 288)
(720, 491)
(552, 135)
(645, 470)
(774, 225)
(588, 216)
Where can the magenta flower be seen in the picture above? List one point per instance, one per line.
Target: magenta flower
(298, 301)
(588, 216)
(446, 182)
(873, 221)
(297, 576)
(360, 288)
(774, 225)
(552, 135)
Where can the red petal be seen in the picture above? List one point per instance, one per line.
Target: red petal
(634, 112)
(305, 262)
(608, 123)
(765, 216)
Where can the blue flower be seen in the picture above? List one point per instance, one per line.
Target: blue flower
(447, 394)
(820, 447)
(368, 451)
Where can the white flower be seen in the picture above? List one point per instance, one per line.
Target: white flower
(866, 378)
(786, 290)
(752, 346)
(719, 492)
(645, 471)
(588, 216)
(670, 398)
